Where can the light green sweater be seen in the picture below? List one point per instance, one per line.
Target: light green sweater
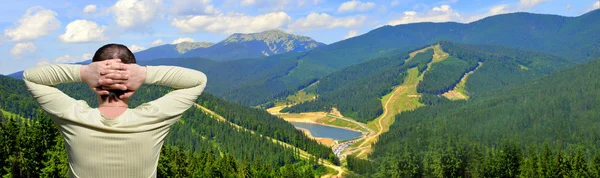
(126, 146)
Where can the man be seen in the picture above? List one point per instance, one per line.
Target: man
(114, 140)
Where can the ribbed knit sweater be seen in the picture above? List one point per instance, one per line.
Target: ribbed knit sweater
(125, 146)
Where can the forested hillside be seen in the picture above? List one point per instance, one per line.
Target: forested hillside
(198, 135)
(539, 128)
(268, 78)
(356, 90)
(547, 33)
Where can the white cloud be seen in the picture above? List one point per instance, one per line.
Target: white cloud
(231, 23)
(35, 23)
(530, 3)
(443, 13)
(248, 2)
(157, 42)
(42, 61)
(596, 5)
(303, 2)
(196, 7)
(131, 14)
(495, 10)
(180, 40)
(83, 31)
(351, 33)
(87, 56)
(21, 48)
(65, 59)
(355, 5)
(136, 48)
(499, 9)
(89, 9)
(324, 20)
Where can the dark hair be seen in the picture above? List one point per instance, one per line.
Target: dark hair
(114, 51)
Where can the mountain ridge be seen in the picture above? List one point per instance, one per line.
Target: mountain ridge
(266, 43)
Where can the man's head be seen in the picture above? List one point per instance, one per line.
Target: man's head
(114, 51)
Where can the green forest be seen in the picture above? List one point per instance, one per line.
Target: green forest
(35, 148)
(356, 90)
(544, 127)
(198, 145)
(532, 108)
(267, 78)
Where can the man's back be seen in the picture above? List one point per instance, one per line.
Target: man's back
(127, 145)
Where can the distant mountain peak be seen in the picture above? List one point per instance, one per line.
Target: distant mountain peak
(268, 43)
(184, 47)
(274, 35)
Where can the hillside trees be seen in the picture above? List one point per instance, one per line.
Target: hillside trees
(31, 146)
(356, 91)
(539, 128)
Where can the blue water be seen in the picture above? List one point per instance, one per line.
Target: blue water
(317, 130)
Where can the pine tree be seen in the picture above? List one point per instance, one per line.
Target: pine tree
(579, 165)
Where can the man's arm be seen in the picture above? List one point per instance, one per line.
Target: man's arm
(188, 85)
(41, 82)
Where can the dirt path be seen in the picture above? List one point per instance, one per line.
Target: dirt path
(303, 154)
(403, 98)
(380, 127)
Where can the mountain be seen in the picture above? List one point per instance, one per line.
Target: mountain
(263, 79)
(267, 43)
(539, 128)
(574, 38)
(169, 50)
(356, 90)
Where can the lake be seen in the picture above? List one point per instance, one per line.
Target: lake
(335, 133)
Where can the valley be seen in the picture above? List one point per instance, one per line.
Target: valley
(509, 95)
(403, 98)
(303, 154)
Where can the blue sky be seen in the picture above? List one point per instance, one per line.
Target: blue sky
(40, 32)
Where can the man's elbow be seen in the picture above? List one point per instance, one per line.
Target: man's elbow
(202, 79)
(26, 74)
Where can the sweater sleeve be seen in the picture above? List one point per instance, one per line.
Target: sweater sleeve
(41, 82)
(188, 85)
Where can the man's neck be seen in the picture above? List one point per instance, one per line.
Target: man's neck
(119, 103)
(112, 109)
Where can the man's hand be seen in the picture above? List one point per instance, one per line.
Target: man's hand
(137, 77)
(127, 76)
(103, 73)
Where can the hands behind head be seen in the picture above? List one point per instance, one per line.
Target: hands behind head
(113, 75)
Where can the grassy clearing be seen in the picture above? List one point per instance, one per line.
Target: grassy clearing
(340, 123)
(460, 92)
(304, 95)
(298, 97)
(10, 114)
(400, 101)
(404, 98)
